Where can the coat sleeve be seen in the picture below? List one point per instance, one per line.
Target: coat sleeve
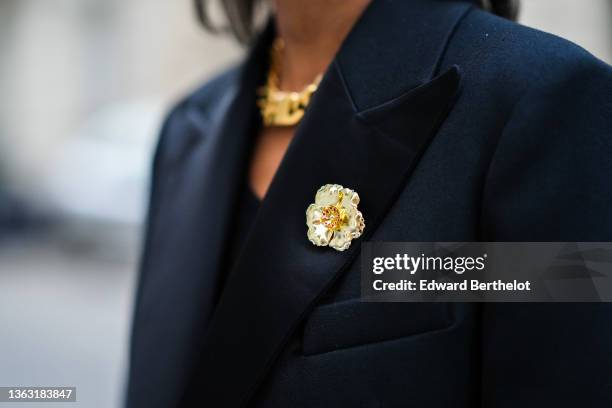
(551, 180)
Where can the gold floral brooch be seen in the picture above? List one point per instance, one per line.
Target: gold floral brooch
(334, 220)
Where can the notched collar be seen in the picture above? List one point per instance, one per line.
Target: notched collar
(397, 46)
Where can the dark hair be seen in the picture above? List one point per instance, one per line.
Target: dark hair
(504, 8)
(240, 14)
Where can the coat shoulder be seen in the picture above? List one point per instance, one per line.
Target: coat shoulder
(208, 95)
(509, 56)
(206, 98)
(204, 104)
(195, 113)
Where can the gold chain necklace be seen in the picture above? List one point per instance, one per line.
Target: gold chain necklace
(282, 108)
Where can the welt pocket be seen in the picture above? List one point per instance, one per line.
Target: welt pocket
(353, 323)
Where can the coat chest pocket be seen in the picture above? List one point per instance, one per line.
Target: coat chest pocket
(353, 323)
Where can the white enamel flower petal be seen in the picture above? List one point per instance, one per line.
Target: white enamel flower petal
(357, 225)
(319, 235)
(354, 224)
(350, 198)
(340, 241)
(328, 194)
(313, 213)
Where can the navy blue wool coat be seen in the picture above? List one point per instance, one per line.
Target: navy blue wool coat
(452, 124)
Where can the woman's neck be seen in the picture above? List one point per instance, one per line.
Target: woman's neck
(312, 31)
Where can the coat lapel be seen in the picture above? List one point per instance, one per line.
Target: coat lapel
(366, 139)
(179, 286)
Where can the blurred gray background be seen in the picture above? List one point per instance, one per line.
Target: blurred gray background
(84, 85)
